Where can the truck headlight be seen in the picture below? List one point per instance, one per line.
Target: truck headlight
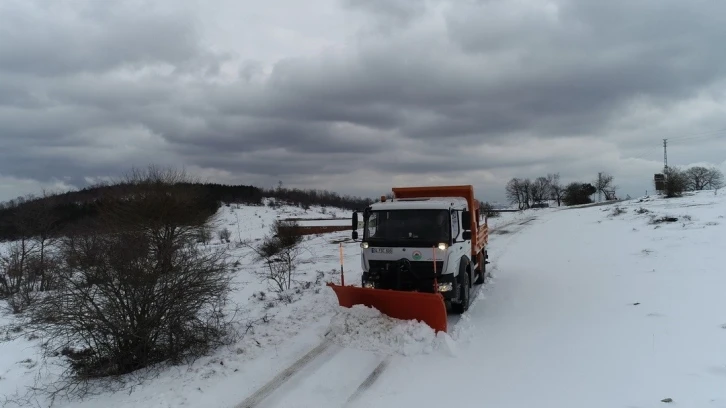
(369, 285)
(364, 245)
(443, 246)
(445, 287)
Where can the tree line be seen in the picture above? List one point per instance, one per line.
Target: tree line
(527, 193)
(305, 198)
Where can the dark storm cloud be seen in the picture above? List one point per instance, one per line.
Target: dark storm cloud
(564, 75)
(87, 89)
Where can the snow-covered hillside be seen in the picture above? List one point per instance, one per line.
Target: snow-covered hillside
(608, 306)
(281, 326)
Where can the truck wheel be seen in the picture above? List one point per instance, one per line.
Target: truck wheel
(481, 276)
(462, 304)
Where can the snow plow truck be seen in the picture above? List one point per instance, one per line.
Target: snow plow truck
(421, 253)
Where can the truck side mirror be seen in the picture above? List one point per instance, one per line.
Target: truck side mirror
(466, 220)
(466, 235)
(354, 225)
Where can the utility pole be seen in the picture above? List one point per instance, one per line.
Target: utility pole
(665, 155)
(599, 187)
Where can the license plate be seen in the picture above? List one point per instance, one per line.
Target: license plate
(382, 250)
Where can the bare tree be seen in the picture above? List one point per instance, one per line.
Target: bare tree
(525, 188)
(604, 184)
(696, 178)
(540, 189)
(701, 178)
(557, 190)
(514, 193)
(715, 179)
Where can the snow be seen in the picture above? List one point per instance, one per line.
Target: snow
(282, 330)
(590, 306)
(593, 309)
(366, 328)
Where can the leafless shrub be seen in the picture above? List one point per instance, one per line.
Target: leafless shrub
(225, 235)
(280, 251)
(642, 210)
(617, 211)
(135, 290)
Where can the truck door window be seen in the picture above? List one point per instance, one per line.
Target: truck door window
(372, 224)
(454, 224)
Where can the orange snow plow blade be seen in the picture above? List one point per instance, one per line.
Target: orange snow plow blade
(426, 307)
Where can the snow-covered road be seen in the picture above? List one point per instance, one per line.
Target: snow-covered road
(586, 309)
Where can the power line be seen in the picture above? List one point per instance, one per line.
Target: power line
(704, 135)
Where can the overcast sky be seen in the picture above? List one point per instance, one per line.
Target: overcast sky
(358, 96)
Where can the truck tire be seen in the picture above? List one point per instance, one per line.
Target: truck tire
(481, 276)
(462, 304)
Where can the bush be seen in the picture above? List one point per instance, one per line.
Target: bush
(135, 289)
(617, 211)
(225, 235)
(280, 251)
(578, 193)
(676, 182)
(487, 210)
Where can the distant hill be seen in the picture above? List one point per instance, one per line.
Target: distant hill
(32, 216)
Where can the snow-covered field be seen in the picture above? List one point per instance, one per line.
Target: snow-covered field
(587, 307)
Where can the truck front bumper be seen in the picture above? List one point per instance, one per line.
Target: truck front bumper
(447, 285)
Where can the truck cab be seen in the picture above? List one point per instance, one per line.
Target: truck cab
(423, 244)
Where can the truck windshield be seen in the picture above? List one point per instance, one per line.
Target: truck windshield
(408, 225)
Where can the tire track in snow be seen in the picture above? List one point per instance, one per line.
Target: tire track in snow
(280, 379)
(369, 380)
